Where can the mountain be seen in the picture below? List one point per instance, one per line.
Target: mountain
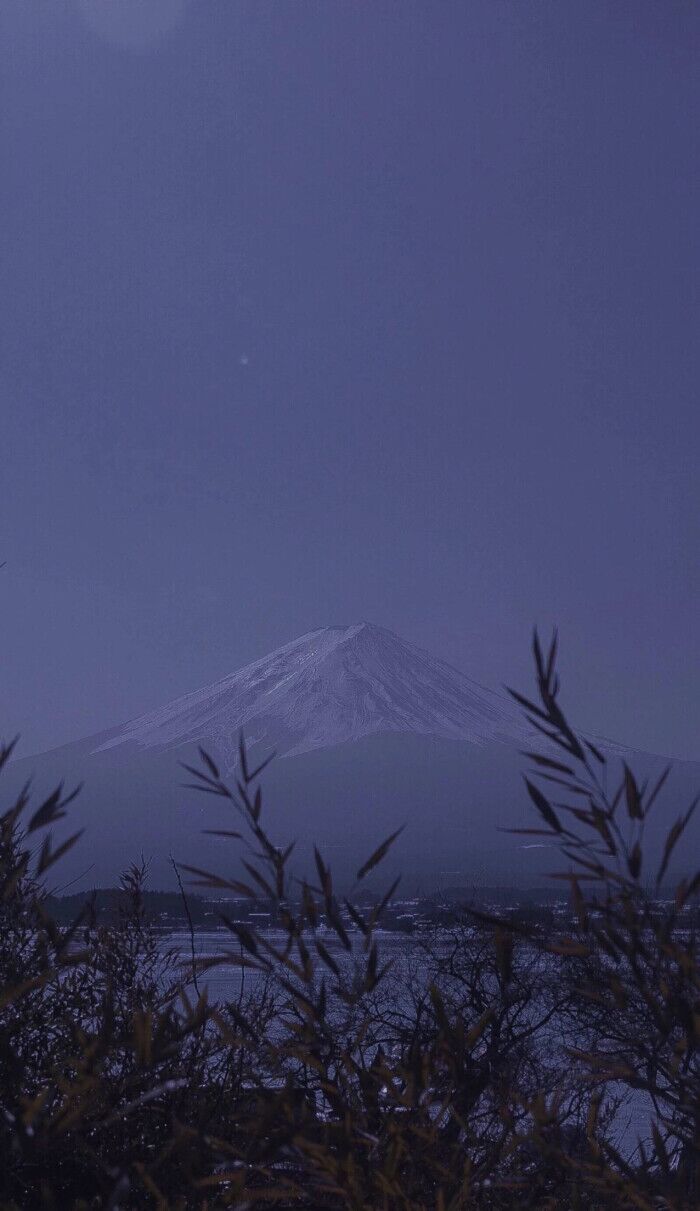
(372, 733)
(332, 686)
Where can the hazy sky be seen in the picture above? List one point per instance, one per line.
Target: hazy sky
(314, 312)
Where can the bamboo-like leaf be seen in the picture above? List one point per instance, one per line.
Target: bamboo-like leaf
(326, 956)
(660, 783)
(674, 834)
(530, 707)
(378, 854)
(323, 874)
(632, 796)
(357, 918)
(211, 766)
(537, 651)
(543, 806)
(595, 751)
(335, 920)
(548, 762)
(263, 765)
(6, 751)
(552, 657)
(49, 856)
(52, 809)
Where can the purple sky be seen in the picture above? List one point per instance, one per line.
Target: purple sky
(313, 312)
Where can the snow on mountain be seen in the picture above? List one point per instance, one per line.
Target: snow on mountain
(332, 685)
(374, 726)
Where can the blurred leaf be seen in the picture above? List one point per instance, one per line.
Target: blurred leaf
(48, 856)
(213, 769)
(674, 834)
(378, 854)
(52, 809)
(543, 806)
(632, 796)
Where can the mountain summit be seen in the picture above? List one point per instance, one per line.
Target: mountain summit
(333, 685)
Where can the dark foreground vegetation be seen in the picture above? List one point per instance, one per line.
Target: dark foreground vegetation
(495, 1078)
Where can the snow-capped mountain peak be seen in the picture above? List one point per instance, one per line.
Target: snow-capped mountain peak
(332, 685)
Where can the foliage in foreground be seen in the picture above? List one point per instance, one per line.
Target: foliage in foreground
(492, 1069)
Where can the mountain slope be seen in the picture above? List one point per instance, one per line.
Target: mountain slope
(329, 687)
